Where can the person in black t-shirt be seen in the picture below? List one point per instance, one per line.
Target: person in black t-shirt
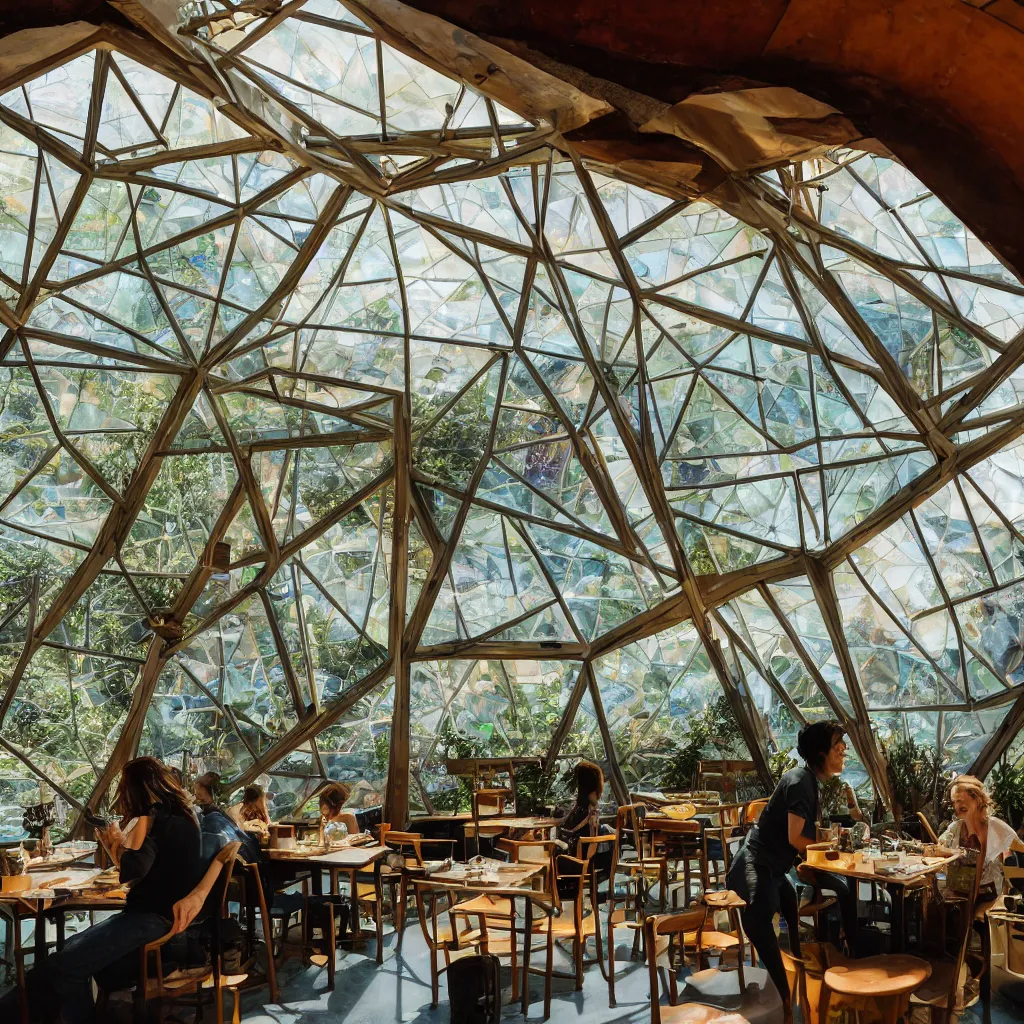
(783, 832)
(160, 859)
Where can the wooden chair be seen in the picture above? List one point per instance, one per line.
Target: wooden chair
(814, 905)
(719, 839)
(252, 902)
(451, 940)
(633, 872)
(806, 977)
(1006, 947)
(577, 877)
(951, 986)
(487, 803)
(678, 842)
(730, 942)
(926, 828)
(663, 932)
(882, 983)
(412, 847)
(156, 986)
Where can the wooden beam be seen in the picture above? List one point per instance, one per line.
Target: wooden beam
(396, 803)
(1004, 734)
(616, 778)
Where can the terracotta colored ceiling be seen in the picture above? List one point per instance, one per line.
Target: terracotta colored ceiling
(938, 81)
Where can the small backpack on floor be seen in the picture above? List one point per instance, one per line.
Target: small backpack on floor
(474, 989)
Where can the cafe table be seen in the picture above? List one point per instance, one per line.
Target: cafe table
(53, 893)
(499, 879)
(895, 873)
(337, 859)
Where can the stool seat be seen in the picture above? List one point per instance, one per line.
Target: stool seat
(723, 899)
(698, 1013)
(878, 976)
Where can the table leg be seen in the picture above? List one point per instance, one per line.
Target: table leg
(897, 922)
(379, 892)
(19, 966)
(527, 944)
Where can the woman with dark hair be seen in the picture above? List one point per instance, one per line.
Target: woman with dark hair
(583, 820)
(252, 813)
(159, 857)
(333, 798)
(784, 830)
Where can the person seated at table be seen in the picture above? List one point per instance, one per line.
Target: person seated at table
(583, 820)
(161, 861)
(975, 828)
(786, 827)
(333, 798)
(216, 825)
(252, 813)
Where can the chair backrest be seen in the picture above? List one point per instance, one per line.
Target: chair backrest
(806, 977)
(490, 802)
(531, 851)
(628, 822)
(753, 811)
(966, 927)
(929, 832)
(1014, 877)
(676, 925)
(405, 843)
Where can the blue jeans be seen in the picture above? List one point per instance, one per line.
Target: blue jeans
(108, 951)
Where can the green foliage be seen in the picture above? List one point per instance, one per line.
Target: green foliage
(537, 789)
(1006, 783)
(713, 732)
(451, 745)
(779, 763)
(918, 776)
(832, 798)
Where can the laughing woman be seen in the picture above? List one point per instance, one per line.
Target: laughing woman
(976, 828)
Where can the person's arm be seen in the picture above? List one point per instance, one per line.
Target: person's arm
(115, 842)
(186, 909)
(851, 804)
(136, 860)
(797, 839)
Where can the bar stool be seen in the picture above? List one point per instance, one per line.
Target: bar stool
(881, 982)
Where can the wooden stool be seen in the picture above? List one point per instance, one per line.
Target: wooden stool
(884, 982)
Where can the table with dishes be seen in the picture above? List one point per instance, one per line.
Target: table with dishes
(50, 888)
(484, 876)
(895, 871)
(355, 855)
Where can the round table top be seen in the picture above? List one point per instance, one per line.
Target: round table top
(878, 975)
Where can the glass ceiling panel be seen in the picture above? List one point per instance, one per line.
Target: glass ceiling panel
(647, 453)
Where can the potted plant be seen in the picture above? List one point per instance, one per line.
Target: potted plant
(1006, 784)
(918, 779)
(711, 732)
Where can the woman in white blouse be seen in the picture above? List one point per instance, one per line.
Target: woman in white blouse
(976, 829)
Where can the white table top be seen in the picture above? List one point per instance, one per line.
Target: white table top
(350, 857)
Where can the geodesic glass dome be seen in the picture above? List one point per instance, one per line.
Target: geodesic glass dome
(352, 419)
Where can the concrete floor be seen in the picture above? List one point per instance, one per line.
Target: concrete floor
(398, 992)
